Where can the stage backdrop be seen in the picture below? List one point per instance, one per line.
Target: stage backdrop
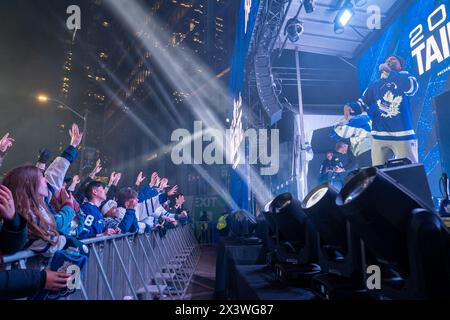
(420, 35)
(236, 107)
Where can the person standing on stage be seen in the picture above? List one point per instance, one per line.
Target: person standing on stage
(357, 129)
(327, 169)
(387, 103)
(345, 162)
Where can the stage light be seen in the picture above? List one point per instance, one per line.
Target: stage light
(309, 6)
(296, 248)
(320, 207)
(267, 229)
(289, 217)
(293, 29)
(295, 233)
(372, 196)
(267, 206)
(404, 237)
(343, 17)
(339, 248)
(270, 218)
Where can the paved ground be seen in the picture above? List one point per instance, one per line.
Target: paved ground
(203, 280)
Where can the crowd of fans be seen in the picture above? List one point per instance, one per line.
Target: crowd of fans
(43, 210)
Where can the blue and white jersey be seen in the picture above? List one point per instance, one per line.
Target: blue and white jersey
(357, 129)
(387, 101)
(93, 222)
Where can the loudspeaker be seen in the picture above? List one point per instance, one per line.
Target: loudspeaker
(441, 111)
(264, 83)
(414, 178)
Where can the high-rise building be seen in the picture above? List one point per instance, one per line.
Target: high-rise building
(142, 97)
(84, 79)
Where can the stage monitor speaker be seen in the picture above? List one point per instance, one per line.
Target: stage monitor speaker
(414, 178)
(441, 111)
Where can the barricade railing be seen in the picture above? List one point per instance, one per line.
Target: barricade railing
(131, 266)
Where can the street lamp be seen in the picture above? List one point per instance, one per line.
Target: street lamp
(44, 98)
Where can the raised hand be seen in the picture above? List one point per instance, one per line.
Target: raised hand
(347, 111)
(112, 177)
(66, 198)
(6, 142)
(75, 180)
(163, 183)
(75, 136)
(154, 179)
(97, 169)
(140, 178)
(179, 200)
(7, 207)
(173, 191)
(117, 179)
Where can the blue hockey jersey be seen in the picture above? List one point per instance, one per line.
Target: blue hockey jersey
(387, 101)
(93, 222)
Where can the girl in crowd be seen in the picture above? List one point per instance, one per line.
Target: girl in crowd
(31, 192)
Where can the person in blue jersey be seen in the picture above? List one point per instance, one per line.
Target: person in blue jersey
(356, 128)
(93, 220)
(387, 102)
(127, 198)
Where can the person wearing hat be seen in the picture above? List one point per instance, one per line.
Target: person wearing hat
(386, 100)
(112, 215)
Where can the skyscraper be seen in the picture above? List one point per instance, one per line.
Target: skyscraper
(84, 74)
(144, 101)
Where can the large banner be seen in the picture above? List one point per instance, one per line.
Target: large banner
(420, 35)
(238, 183)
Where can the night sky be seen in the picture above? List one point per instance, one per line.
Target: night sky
(31, 59)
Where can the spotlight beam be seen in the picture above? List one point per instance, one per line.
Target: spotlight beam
(173, 63)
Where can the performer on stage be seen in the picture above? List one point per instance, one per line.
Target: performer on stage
(387, 103)
(357, 129)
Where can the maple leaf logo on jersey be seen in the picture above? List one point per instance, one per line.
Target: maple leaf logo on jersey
(390, 107)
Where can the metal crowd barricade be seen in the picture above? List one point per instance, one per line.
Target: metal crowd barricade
(131, 266)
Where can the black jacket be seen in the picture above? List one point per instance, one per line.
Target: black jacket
(19, 283)
(13, 235)
(15, 284)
